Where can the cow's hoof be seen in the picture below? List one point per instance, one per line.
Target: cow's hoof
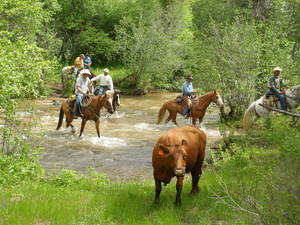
(177, 203)
(195, 191)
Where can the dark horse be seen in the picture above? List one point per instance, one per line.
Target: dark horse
(90, 112)
(198, 108)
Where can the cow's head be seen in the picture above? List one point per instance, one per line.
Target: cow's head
(176, 155)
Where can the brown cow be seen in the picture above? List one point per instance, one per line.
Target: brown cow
(180, 150)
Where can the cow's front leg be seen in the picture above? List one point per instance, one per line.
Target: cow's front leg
(157, 190)
(179, 188)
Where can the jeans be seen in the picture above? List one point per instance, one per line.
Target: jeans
(280, 96)
(102, 89)
(186, 110)
(79, 97)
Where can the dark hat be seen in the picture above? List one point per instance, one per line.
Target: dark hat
(189, 77)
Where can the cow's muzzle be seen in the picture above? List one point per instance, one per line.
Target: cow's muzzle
(179, 171)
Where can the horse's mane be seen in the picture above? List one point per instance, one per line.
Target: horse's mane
(202, 96)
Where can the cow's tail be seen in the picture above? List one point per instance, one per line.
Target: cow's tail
(60, 119)
(161, 114)
(249, 116)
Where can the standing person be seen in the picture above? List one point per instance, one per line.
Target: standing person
(81, 89)
(106, 82)
(275, 85)
(187, 91)
(87, 61)
(78, 63)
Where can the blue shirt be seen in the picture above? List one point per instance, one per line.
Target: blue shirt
(187, 88)
(87, 60)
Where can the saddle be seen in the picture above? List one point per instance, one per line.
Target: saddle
(86, 101)
(179, 99)
(271, 100)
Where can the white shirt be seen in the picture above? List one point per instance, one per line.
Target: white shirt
(83, 83)
(105, 80)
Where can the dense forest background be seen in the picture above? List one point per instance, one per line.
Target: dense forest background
(229, 45)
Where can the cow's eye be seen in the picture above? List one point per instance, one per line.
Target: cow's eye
(170, 157)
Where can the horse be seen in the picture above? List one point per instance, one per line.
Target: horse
(198, 107)
(201, 103)
(90, 112)
(256, 111)
(116, 100)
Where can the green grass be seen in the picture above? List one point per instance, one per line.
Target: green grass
(130, 203)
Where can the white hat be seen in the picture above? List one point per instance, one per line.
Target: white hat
(106, 70)
(85, 71)
(277, 69)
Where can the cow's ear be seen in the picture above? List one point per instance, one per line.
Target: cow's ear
(163, 150)
(184, 142)
(215, 91)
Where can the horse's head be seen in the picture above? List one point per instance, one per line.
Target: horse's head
(116, 99)
(108, 101)
(217, 99)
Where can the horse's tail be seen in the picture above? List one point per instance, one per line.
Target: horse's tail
(161, 114)
(61, 117)
(248, 116)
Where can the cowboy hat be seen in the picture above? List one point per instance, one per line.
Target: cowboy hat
(277, 69)
(85, 71)
(106, 70)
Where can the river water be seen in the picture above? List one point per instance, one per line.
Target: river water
(127, 137)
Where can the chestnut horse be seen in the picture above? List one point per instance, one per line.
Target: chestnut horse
(198, 108)
(90, 112)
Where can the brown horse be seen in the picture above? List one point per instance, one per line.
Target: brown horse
(201, 103)
(173, 108)
(198, 108)
(91, 112)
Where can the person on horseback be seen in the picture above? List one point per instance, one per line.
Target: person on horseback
(81, 89)
(188, 91)
(87, 61)
(275, 86)
(106, 82)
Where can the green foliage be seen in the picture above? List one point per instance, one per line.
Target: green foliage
(152, 49)
(19, 166)
(98, 43)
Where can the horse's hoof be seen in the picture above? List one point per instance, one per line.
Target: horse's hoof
(73, 131)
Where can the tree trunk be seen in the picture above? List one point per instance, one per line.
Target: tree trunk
(259, 9)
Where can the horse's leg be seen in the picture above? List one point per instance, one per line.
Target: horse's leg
(168, 119)
(97, 122)
(294, 120)
(83, 122)
(194, 120)
(69, 119)
(173, 116)
(267, 122)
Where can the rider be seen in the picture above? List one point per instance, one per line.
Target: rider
(87, 61)
(187, 90)
(275, 85)
(106, 82)
(78, 63)
(81, 89)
